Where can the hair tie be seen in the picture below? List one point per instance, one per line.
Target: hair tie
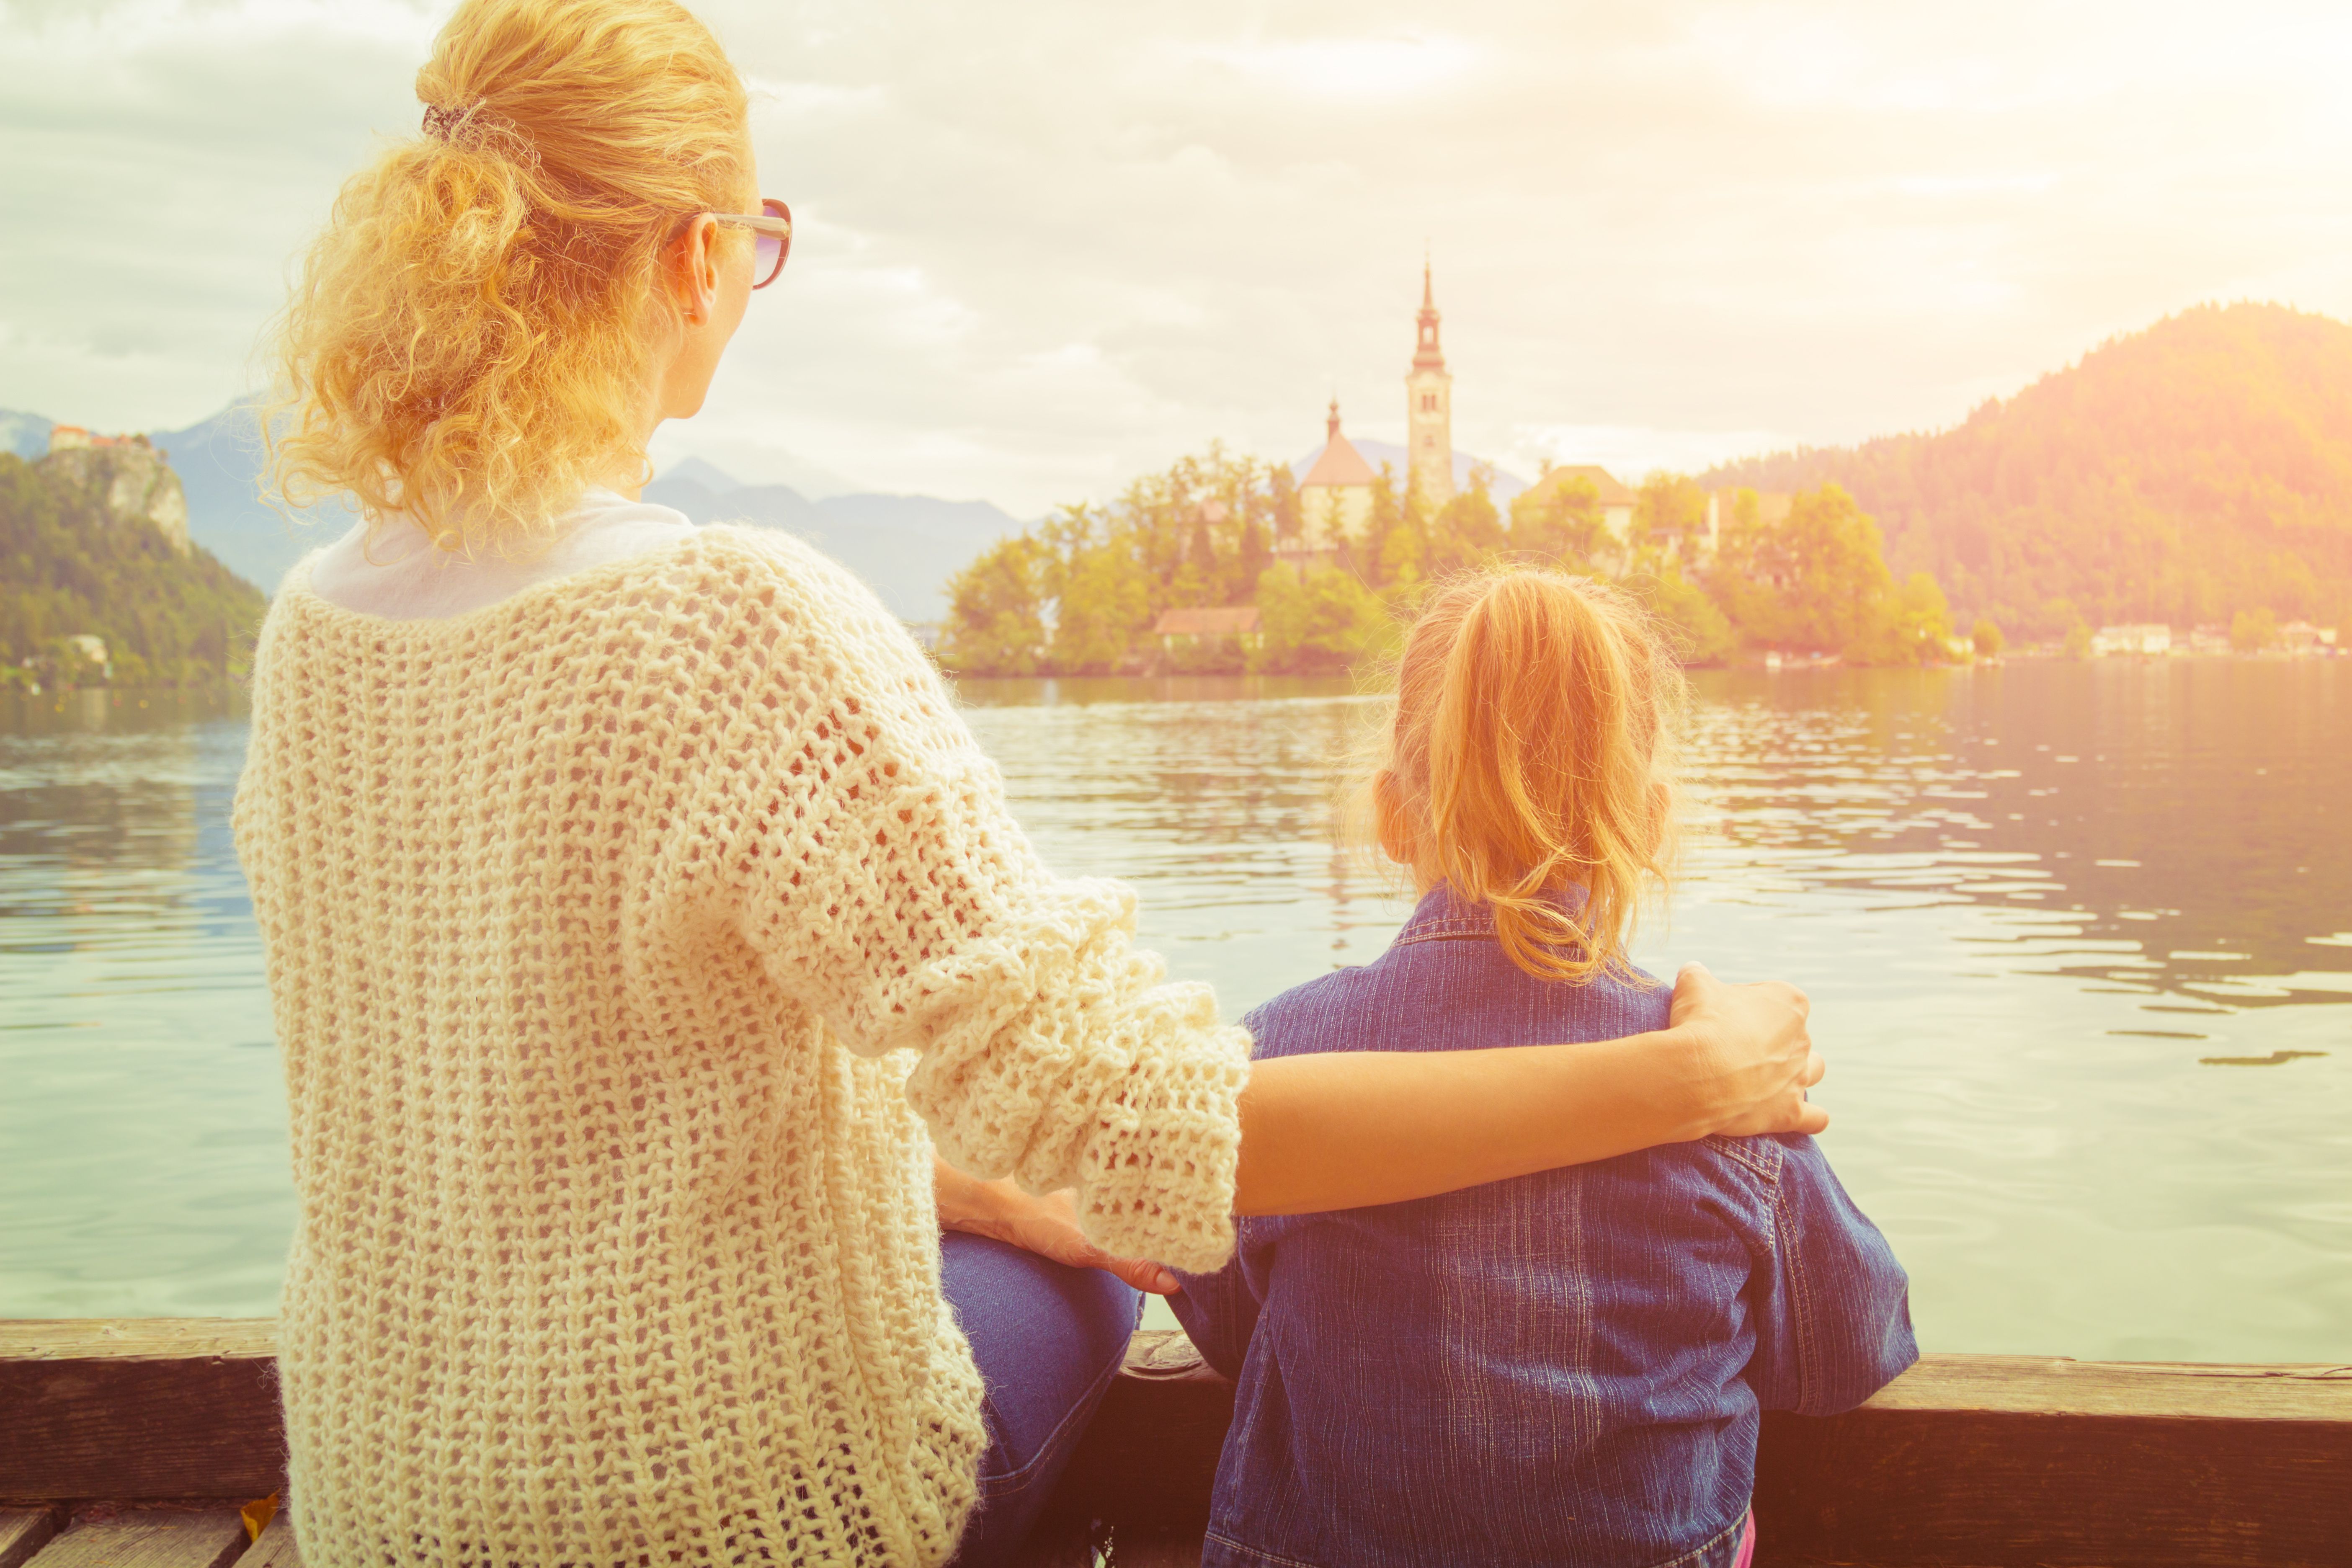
(441, 122)
(479, 128)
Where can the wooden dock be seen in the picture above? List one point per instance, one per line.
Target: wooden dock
(133, 1443)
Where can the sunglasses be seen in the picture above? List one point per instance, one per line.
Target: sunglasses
(774, 228)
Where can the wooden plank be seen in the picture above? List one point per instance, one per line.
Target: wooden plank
(1990, 1462)
(1156, 1549)
(149, 1538)
(24, 1530)
(275, 1549)
(141, 1408)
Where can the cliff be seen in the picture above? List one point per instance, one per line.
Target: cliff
(118, 482)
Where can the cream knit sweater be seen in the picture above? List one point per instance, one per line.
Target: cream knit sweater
(623, 936)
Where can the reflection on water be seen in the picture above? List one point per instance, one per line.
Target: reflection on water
(2054, 917)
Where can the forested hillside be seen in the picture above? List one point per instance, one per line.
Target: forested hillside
(2180, 474)
(68, 570)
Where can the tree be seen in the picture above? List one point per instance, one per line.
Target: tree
(1910, 624)
(1669, 512)
(996, 623)
(1987, 638)
(1467, 530)
(1693, 627)
(1327, 620)
(1560, 521)
(1815, 581)
(2250, 631)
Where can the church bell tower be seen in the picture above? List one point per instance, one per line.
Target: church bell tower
(1428, 409)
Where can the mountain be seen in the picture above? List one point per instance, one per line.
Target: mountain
(26, 435)
(904, 547)
(2181, 473)
(219, 460)
(706, 475)
(1504, 486)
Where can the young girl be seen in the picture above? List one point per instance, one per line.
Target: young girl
(1564, 1368)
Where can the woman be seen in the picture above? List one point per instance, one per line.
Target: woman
(656, 965)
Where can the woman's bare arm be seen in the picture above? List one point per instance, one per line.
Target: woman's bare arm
(1353, 1128)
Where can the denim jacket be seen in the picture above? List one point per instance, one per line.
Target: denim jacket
(1565, 1368)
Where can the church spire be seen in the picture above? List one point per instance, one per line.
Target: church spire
(1429, 406)
(1331, 424)
(1426, 353)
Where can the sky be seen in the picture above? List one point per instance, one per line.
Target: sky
(1043, 247)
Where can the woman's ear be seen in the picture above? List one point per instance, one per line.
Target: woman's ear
(694, 270)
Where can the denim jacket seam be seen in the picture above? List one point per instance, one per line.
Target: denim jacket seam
(1801, 1300)
(1760, 1155)
(1260, 1553)
(1698, 1554)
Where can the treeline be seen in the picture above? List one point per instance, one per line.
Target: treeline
(70, 570)
(2188, 473)
(1080, 593)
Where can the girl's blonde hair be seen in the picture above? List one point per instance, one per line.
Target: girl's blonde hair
(468, 342)
(1530, 756)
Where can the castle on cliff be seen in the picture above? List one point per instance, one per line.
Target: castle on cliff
(124, 477)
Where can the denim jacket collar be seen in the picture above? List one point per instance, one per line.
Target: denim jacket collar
(1444, 915)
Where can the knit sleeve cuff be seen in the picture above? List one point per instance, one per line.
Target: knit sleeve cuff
(1157, 1178)
(1053, 1052)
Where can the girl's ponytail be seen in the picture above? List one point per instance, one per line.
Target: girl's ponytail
(1529, 766)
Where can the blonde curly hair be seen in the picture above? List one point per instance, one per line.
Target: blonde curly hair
(468, 342)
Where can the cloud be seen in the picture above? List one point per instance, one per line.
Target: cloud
(1043, 247)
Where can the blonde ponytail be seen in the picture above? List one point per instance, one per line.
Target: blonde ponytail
(1529, 766)
(469, 340)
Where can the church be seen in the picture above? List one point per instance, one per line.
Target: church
(1335, 496)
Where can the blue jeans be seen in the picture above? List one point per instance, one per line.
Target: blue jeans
(1048, 1340)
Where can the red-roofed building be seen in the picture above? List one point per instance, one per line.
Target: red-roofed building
(1225, 621)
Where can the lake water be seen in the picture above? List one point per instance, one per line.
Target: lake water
(2079, 939)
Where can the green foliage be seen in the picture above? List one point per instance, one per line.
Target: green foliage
(1815, 582)
(1080, 592)
(1986, 639)
(1560, 521)
(1692, 624)
(996, 623)
(1670, 511)
(1909, 625)
(2250, 631)
(2179, 474)
(1324, 622)
(68, 570)
(2078, 642)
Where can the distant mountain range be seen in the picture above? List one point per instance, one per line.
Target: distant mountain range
(905, 547)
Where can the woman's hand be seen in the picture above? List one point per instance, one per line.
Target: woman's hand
(1047, 1226)
(1752, 1056)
